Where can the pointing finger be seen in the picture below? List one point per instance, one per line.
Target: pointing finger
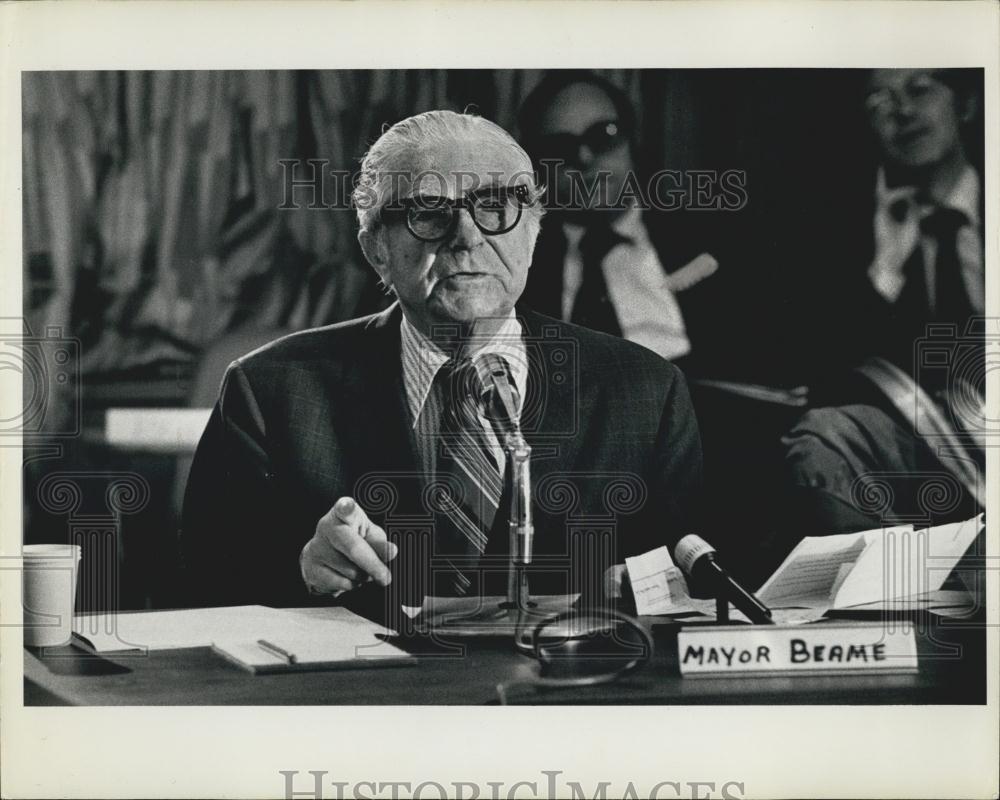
(386, 550)
(347, 511)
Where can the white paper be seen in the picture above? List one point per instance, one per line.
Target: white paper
(486, 616)
(806, 578)
(903, 563)
(312, 640)
(956, 600)
(783, 616)
(657, 583)
(872, 567)
(200, 627)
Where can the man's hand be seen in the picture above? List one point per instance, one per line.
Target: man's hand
(347, 550)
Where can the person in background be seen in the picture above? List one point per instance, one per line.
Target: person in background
(603, 260)
(628, 249)
(919, 259)
(913, 261)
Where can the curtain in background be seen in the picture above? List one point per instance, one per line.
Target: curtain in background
(151, 200)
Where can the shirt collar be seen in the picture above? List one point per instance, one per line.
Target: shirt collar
(422, 359)
(964, 195)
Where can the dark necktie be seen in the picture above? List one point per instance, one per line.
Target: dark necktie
(912, 305)
(592, 307)
(467, 482)
(951, 300)
(914, 309)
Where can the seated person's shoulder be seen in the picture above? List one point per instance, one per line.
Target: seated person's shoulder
(329, 345)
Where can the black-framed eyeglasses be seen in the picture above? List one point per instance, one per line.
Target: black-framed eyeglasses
(601, 137)
(432, 218)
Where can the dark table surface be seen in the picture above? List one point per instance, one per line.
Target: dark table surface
(952, 670)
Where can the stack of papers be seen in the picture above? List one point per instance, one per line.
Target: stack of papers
(891, 569)
(661, 590)
(895, 568)
(485, 616)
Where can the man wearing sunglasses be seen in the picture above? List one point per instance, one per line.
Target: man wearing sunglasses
(600, 261)
(365, 461)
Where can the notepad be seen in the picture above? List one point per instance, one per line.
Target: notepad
(109, 632)
(137, 632)
(301, 650)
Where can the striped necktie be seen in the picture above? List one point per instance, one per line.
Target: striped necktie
(468, 481)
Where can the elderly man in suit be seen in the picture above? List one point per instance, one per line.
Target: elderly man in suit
(359, 458)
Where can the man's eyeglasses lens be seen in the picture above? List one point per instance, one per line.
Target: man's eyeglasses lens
(601, 137)
(432, 219)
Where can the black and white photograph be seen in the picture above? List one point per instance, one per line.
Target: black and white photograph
(643, 396)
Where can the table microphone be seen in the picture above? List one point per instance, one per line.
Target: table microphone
(696, 558)
(502, 405)
(502, 411)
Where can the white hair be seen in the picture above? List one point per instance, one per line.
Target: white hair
(393, 152)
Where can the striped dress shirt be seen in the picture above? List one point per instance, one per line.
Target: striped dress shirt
(422, 359)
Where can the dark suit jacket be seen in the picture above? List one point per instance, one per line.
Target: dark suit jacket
(322, 414)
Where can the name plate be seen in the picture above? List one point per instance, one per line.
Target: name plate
(790, 649)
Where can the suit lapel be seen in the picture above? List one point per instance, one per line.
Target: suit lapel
(384, 438)
(558, 409)
(551, 419)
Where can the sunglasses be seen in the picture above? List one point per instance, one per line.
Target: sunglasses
(601, 137)
(432, 218)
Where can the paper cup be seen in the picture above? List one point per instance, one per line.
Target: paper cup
(49, 592)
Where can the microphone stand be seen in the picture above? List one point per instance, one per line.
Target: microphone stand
(522, 529)
(522, 532)
(517, 479)
(504, 414)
